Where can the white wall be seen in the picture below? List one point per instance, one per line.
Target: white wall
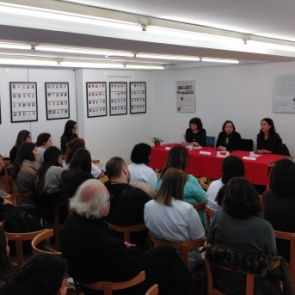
(10, 130)
(240, 93)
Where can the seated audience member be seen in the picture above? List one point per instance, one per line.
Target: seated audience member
(127, 202)
(279, 202)
(79, 171)
(70, 132)
(72, 146)
(48, 183)
(43, 142)
(228, 139)
(268, 141)
(139, 171)
(42, 274)
(93, 254)
(195, 134)
(232, 166)
(238, 231)
(5, 266)
(23, 136)
(24, 171)
(193, 193)
(169, 218)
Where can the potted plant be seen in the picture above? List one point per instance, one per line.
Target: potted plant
(157, 141)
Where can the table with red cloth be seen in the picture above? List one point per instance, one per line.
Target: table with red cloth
(256, 171)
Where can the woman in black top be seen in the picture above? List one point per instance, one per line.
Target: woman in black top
(228, 138)
(196, 134)
(70, 132)
(268, 141)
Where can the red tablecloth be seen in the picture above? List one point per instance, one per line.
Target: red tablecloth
(257, 171)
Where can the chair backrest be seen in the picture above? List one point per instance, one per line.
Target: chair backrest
(184, 246)
(247, 144)
(153, 290)
(209, 214)
(104, 179)
(210, 140)
(204, 183)
(109, 287)
(18, 238)
(289, 237)
(249, 287)
(200, 206)
(127, 230)
(44, 238)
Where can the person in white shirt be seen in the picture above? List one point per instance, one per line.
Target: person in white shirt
(169, 218)
(44, 141)
(139, 171)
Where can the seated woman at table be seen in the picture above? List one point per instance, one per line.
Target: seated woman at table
(25, 170)
(195, 134)
(228, 138)
(232, 166)
(169, 218)
(239, 231)
(279, 202)
(193, 193)
(268, 141)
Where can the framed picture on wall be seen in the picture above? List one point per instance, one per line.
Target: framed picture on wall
(23, 101)
(118, 98)
(137, 92)
(57, 100)
(185, 96)
(96, 94)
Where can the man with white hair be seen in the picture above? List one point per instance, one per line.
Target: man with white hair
(93, 254)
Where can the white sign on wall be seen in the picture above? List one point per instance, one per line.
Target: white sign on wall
(284, 94)
(185, 97)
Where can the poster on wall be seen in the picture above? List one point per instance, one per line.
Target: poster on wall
(185, 97)
(118, 98)
(57, 100)
(137, 94)
(284, 94)
(23, 101)
(96, 94)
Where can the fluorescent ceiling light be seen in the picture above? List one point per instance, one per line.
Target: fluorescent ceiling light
(66, 17)
(14, 46)
(144, 67)
(27, 62)
(83, 51)
(253, 44)
(168, 57)
(90, 65)
(229, 61)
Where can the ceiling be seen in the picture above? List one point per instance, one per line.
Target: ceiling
(266, 19)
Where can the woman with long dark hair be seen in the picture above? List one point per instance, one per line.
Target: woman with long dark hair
(24, 171)
(238, 231)
(44, 141)
(195, 134)
(70, 132)
(78, 172)
(268, 141)
(193, 193)
(279, 202)
(23, 136)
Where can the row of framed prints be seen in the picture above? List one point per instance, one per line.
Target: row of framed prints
(24, 103)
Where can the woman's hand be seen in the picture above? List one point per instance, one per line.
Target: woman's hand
(263, 151)
(194, 144)
(127, 245)
(221, 148)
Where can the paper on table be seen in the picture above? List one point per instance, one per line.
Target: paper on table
(167, 148)
(249, 158)
(205, 153)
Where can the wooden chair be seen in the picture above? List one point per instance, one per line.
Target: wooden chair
(209, 214)
(7, 179)
(153, 290)
(211, 290)
(200, 206)
(127, 230)
(109, 287)
(104, 179)
(289, 237)
(183, 246)
(18, 239)
(44, 238)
